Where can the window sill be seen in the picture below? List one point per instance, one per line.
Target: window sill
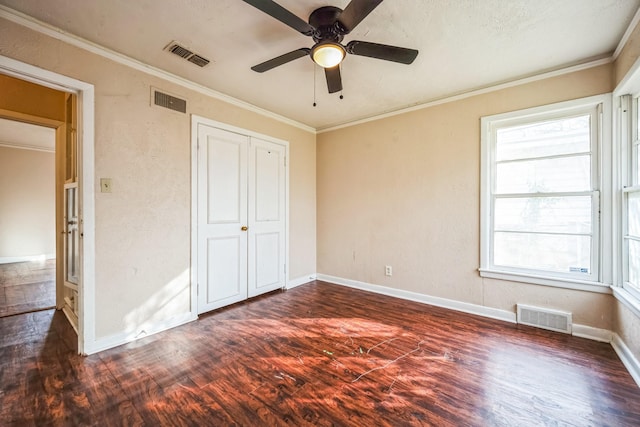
(579, 285)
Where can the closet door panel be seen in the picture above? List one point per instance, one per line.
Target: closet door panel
(222, 218)
(267, 215)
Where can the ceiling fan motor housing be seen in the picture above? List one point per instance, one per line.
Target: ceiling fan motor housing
(325, 21)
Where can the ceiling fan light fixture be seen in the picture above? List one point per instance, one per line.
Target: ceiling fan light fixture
(328, 54)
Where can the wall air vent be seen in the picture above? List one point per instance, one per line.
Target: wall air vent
(177, 49)
(168, 101)
(544, 318)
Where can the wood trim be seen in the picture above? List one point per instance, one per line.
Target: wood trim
(28, 118)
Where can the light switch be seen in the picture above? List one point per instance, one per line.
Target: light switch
(105, 185)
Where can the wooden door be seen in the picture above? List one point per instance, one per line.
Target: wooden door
(267, 214)
(71, 235)
(241, 217)
(71, 252)
(222, 218)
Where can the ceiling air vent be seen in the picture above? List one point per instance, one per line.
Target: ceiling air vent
(168, 101)
(198, 60)
(177, 49)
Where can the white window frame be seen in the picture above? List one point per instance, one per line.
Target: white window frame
(630, 142)
(601, 183)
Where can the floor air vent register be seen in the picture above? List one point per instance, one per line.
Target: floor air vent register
(553, 320)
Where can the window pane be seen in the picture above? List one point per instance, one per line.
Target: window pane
(545, 176)
(561, 253)
(544, 214)
(633, 218)
(637, 171)
(543, 139)
(634, 263)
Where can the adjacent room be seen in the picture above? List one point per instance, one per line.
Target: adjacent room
(357, 212)
(27, 252)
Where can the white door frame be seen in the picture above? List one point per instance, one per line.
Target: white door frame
(195, 121)
(85, 93)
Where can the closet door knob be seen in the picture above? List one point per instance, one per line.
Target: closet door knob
(244, 228)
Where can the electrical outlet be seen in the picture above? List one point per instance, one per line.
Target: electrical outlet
(105, 185)
(388, 271)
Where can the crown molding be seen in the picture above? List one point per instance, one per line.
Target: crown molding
(473, 92)
(71, 39)
(627, 35)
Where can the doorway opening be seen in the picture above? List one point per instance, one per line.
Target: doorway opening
(36, 96)
(27, 218)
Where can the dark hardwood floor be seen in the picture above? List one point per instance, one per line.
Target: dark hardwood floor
(27, 286)
(319, 354)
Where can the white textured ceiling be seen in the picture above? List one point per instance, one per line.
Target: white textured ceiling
(464, 45)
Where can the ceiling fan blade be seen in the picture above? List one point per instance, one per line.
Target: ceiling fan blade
(334, 80)
(382, 51)
(355, 12)
(273, 9)
(282, 59)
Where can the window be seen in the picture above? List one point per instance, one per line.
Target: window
(540, 208)
(631, 210)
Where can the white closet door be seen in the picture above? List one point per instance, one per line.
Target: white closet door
(222, 218)
(267, 215)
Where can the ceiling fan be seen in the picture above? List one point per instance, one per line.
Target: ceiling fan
(327, 26)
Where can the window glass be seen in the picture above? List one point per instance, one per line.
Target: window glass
(634, 263)
(637, 171)
(633, 219)
(544, 139)
(548, 252)
(564, 174)
(570, 214)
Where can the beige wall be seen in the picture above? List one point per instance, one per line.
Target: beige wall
(143, 227)
(405, 191)
(27, 203)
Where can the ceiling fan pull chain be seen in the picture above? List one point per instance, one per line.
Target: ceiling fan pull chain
(314, 84)
(341, 88)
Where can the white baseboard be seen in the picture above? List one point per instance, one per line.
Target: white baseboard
(589, 332)
(464, 307)
(115, 340)
(628, 358)
(12, 259)
(301, 280)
